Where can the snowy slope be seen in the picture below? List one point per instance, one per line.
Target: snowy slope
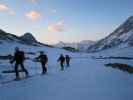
(122, 37)
(26, 39)
(86, 78)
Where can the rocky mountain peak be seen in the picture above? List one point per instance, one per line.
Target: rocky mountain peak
(28, 37)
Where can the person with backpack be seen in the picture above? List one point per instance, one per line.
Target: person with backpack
(68, 58)
(43, 59)
(61, 59)
(19, 59)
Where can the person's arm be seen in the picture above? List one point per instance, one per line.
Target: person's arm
(13, 59)
(38, 58)
(58, 59)
(24, 58)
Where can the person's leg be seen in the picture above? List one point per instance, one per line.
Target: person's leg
(68, 63)
(23, 68)
(44, 68)
(62, 66)
(16, 70)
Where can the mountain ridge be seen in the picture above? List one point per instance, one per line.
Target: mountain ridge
(121, 37)
(82, 45)
(27, 39)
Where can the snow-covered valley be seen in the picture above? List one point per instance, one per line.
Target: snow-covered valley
(87, 78)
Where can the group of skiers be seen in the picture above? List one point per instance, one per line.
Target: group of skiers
(19, 58)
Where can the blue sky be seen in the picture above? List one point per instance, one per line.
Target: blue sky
(52, 21)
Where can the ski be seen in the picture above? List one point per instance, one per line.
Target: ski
(15, 80)
(11, 71)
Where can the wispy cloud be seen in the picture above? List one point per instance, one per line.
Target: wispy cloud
(5, 8)
(33, 15)
(56, 27)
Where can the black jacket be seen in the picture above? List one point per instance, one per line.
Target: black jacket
(18, 57)
(61, 59)
(43, 58)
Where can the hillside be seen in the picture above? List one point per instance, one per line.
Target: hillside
(26, 39)
(122, 37)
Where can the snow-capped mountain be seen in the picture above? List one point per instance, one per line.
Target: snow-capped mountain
(121, 37)
(85, 44)
(7, 37)
(63, 44)
(82, 46)
(27, 39)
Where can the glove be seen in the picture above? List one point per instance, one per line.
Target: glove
(11, 62)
